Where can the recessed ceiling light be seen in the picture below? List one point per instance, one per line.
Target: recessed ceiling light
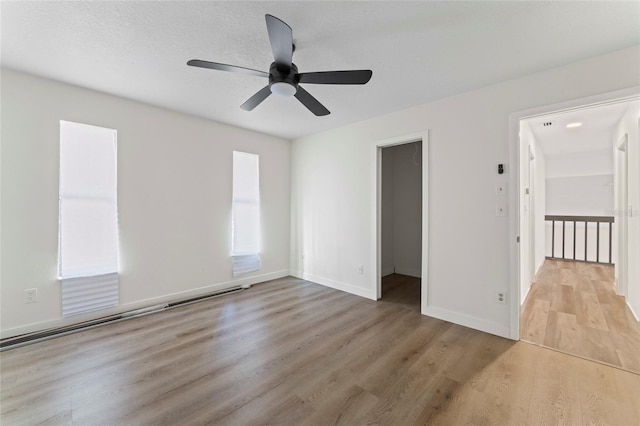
(573, 125)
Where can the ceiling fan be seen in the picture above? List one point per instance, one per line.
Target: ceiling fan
(284, 79)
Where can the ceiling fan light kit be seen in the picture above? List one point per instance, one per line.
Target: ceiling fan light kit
(283, 82)
(283, 74)
(283, 89)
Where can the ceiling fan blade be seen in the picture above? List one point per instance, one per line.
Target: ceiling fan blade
(336, 77)
(281, 39)
(310, 102)
(256, 99)
(225, 67)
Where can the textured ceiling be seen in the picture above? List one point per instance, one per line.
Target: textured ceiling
(418, 51)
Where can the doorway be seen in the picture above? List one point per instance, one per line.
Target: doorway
(573, 198)
(401, 220)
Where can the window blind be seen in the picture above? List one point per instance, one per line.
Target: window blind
(245, 227)
(88, 224)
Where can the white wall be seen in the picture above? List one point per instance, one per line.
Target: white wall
(540, 168)
(586, 163)
(629, 124)
(469, 247)
(532, 208)
(401, 209)
(524, 194)
(174, 199)
(387, 210)
(580, 195)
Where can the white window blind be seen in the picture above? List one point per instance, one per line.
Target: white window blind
(245, 227)
(88, 222)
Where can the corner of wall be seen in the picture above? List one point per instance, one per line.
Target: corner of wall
(367, 293)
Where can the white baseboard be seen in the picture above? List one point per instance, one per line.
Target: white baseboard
(257, 279)
(626, 299)
(616, 285)
(523, 297)
(411, 272)
(327, 282)
(443, 314)
(490, 327)
(635, 314)
(173, 297)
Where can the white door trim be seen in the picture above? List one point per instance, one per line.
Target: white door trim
(617, 96)
(376, 252)
(622, 214)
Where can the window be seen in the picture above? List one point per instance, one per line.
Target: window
(88, 223)
(245, 226)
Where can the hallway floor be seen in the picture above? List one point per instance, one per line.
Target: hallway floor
(573, 307)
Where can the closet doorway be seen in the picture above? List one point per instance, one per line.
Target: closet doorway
(401, 224)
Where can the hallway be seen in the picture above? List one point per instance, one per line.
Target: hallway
(572, 307)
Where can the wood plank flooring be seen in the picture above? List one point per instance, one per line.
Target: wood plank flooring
(573, 307)
(403, 290)
(296, 353)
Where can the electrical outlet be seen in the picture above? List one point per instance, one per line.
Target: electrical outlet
(31, 295)
(501, 297)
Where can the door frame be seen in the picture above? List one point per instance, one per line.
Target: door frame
(622, 213)
(376, 252)
(515, 257)
(532, 215)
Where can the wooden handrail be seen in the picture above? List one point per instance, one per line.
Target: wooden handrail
(608, 219)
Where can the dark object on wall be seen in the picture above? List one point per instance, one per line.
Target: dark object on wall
(500, 169)
(283, 74)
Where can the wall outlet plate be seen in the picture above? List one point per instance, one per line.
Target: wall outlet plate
(501, 297)
(501, 189)
(31, 295)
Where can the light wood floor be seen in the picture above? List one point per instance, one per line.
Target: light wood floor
(295, 353)
(573, 307)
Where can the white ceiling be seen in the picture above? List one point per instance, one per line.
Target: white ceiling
(418, 51)
(595, 133)
(584, 150)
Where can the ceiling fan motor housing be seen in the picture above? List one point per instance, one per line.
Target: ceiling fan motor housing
(283, 74)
